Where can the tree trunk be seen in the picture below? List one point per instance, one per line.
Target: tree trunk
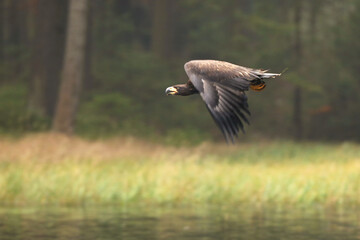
(88, 79)
(161, 31)
(298, 49)
(13, 23)
(2, 30)
(298, 123)
(316, 6)
(73, 70)
(48, 55)
(15, 27)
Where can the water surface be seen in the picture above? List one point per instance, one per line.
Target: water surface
(178, 223)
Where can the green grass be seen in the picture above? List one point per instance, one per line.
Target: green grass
(56, 170)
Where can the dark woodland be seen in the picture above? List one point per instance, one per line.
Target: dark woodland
(99, 68)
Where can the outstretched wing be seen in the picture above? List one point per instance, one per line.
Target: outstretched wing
(223, 94)
(227, 107)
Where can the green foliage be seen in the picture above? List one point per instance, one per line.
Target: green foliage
(126, 92)
(111, 113)
(14, 117)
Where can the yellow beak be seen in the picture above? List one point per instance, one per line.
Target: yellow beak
(171, 91)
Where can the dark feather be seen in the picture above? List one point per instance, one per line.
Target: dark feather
(225, 102)
(222, 86)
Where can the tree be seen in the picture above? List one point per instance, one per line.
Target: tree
(161, 28)
(48, 55)
(73, 70)
(17, 35)
(2, 29)
(298, 50)
(87, 77)
(14, 19)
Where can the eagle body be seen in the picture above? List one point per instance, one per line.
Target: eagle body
(222, 86)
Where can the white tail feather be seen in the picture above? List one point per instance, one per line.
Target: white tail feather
(270, 75)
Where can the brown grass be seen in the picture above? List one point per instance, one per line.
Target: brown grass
(56, 169)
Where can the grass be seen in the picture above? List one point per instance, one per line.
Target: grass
(48, 169)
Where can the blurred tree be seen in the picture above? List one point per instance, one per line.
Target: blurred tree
(345, 87)
(122, 6)
(2, 30)
(315, 7)
(13, 19)
(17, 38)
(162, 28)
(73, 67)
(318, 40)
(88, 78)
(48, 54)
(298, 51)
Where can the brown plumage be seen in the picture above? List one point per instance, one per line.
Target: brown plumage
(222, 86)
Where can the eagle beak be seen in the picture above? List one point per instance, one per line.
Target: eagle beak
(171, 91)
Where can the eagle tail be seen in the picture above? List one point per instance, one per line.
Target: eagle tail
(270, 75)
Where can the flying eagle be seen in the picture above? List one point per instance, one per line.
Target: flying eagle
(222, 86)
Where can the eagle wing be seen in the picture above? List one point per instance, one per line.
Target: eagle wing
(221, 86)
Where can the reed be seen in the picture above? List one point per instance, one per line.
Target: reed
(49, 169)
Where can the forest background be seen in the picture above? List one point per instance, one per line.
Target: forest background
(133, 49)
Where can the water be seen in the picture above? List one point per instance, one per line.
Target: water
(178, 223)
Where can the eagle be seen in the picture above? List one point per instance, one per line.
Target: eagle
(222, 87)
